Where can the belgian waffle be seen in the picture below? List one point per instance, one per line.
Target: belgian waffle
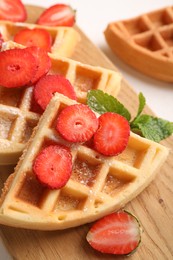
(64, 39)
(16, 116)
(145, 42)
(98, 184)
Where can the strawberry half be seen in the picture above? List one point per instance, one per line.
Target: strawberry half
(77, 123)
(43, 62)
(12, 10)
(17, 67)
(118, 233)
(112, 135)
(48, 85)
(34, 37)
(53, 166)
(57, 15)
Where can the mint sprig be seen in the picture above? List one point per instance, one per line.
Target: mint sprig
(101, 102)
(150, 127)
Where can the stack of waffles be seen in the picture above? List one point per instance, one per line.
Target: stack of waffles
(145, 42)
(98, 184)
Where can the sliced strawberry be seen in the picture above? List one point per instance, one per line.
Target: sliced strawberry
(1, 41)
(112, 135)
(53, 166)
(118, 233)
(57, 15)
(43, 62)
(77, 123)
(48, 85)
(17, 67)
(12, 10)
(34, 37)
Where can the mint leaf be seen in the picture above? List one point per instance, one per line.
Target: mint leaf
(141, 106)
(101, 102)
(153, 128)
(142, 103)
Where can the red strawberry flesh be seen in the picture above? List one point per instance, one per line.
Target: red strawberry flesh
(34, 37)
(18, 66)
(50, 84)
(12, 10)
(112, 135)
(43, 62)
(53, 166)
(77, 123)
(57, 15)
(117, 233)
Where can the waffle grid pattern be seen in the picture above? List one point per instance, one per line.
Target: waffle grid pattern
(17, 114)
(152, 32)
(97, 182)
(64, 39)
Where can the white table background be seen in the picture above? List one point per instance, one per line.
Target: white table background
(92, 17)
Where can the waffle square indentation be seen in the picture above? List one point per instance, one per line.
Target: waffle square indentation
(86, 79)
(31, 190)
(160, 18)
(29, 125)
(85, 171)
(115, 182)
(167, 35)
(136, 26)
(69, 200)
(133, 155)
(11, 96)
(149, 42)
(6, 125)
(59, 67)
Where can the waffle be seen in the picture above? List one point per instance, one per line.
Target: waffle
(16, 116)
(145, 42)
(98, 184)
(64, 39)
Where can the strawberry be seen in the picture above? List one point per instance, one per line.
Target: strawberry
(12, 10)
(77, 123)
(57, 15)
(53, 166)
(34, 37)
(113, 133)
(18, 66)
(43, 62)
(1, 40)
(48, 85)
(118, 233)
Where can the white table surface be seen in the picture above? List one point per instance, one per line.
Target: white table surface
(93, 17)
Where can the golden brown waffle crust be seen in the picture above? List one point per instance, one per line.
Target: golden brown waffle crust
(144, 42)
(117, 180)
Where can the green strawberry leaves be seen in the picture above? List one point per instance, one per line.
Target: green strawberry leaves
(150, 127)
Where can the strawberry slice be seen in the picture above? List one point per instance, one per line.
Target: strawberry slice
(118, 233)
(18, 66)
(53, 166)
(112, 135)
(34, 37)
(1, 40)
(77, 123)
(48, 85)
(57, 15)
(43, 62)
(12, 10)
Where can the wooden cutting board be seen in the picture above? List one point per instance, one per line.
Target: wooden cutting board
(153, 207)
